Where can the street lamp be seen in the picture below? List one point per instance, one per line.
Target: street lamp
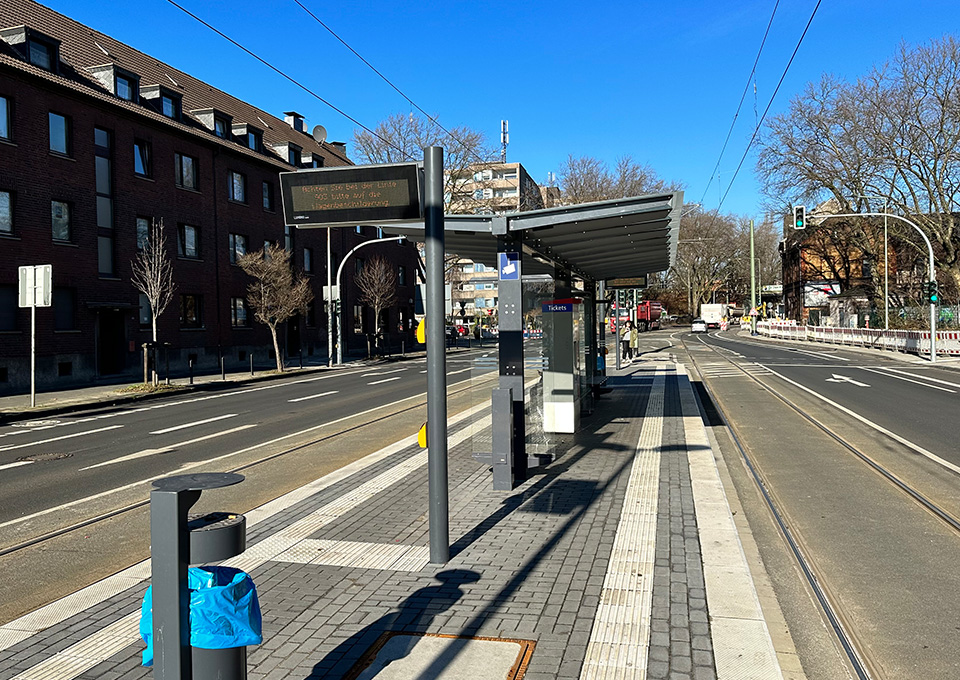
(398, 239)
(886, 264)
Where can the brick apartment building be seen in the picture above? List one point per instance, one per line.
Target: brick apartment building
(96, 141)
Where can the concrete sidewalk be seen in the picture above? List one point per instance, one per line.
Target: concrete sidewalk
(619, 560)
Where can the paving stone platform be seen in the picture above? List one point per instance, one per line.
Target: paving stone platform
(612, 561)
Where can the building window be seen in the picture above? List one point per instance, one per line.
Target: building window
(308, 259)
(191, 311)
(238, 313)
(142, 158)
(105, 255)
(254, 140)
(9, 304)
(311, 317)
(293, 156)
(237, 187)
(104, 177)
(42, 54)
(146, 318)
(186, 171)
(268, 196)
(5, 118)
(359, 265)
(143, 232)
(221, 128)
(188, 241)
(125, 88)
(6, 212)
(358, 318)
(359, 229)
(238, 247)
(401, 276)
(288, 238)
(59, 134)
(60, 218)
(170, 106)
(64, 309)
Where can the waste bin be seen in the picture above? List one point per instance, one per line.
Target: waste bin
(201, 618)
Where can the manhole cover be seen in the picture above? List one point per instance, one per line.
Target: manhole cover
(36, 458)
(399, 656)
(36, 423)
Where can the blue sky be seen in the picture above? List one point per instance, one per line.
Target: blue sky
(658, 80)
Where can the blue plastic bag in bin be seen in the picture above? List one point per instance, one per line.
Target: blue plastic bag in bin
(224, 611)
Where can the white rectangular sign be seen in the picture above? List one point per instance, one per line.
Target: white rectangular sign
(36, 285)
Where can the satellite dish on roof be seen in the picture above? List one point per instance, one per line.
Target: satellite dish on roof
(319, 134)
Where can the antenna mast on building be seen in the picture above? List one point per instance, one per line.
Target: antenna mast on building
(504, 140)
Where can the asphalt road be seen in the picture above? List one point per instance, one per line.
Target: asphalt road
(288, 431)
(888, 565)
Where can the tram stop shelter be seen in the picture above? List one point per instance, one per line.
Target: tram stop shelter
(552, 268)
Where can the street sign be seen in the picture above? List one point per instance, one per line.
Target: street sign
(509, 266)
(632, 282)
(353, 195)
(36, 287)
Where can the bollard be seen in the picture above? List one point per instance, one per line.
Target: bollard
(301, 357)
(177, 540)
(251, 364)
(166, 361)
(403, 348)
(190, 367)
(223, 368)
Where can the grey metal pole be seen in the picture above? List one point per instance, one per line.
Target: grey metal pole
(33, 347)
(436, 357)
(329, 301)
(753, 285)
(616, 326)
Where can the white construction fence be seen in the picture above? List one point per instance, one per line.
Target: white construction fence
(915, 342)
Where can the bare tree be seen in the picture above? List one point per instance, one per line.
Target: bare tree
(893, 133)
(587, 179)
(707, 254)
(275, 294)
(377, 282)
(152, 275)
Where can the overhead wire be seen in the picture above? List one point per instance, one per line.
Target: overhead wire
(756, 130)
(746, 88)
(412, 103)
(290, 78)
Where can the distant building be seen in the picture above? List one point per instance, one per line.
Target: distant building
(97, 140)
(494, 187)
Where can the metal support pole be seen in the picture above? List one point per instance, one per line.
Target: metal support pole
(223, 367)
(190, 366)
(170, 555)
(251, 364)
(33, 349)
(329, 301)
(753, 285)
(616, 325)
(436, 357)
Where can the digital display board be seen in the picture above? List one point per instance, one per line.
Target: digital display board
(362, 194)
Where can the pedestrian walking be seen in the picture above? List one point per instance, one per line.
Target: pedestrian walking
(634, 342)
(625, 342)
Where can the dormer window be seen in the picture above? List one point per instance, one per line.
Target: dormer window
(248, 136)
(125, 88)
(311, 160)
(216, 121)
(163, 100)
(293, 155)
(221, 127)
(170, 106)
(40, 50)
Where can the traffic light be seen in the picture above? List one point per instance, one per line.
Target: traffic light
(799, 217)
(933, 292)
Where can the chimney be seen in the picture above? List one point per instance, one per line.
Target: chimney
(294, 120)
(339, 146)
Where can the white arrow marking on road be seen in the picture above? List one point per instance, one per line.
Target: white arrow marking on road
(166, 449)
(844, 379)
(199, 422)
(313, 396)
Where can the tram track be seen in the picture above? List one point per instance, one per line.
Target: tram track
(853, 651)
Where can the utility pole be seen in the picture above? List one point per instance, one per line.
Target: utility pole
(753, 286)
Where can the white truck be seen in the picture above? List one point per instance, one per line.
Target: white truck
(713, 313)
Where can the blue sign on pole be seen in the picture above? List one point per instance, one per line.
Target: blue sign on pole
(509, 266)
(550, 307)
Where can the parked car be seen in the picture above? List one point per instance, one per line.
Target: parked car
(699, 326)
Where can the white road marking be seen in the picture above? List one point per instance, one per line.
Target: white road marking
(385, 380)
(194, 424)
(423, 371)
(200, 463)
(922, 377)
(866, 421)
(915, 382)
(397, 370)
(313, 396)
(16, 464)
(167, 449)
(56, 439)
(845, 379)
(818, 355)
(462, 370)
